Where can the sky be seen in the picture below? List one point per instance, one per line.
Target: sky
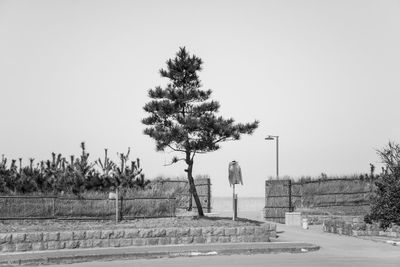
(322, 75)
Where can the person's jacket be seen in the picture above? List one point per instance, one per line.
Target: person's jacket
(235, 173)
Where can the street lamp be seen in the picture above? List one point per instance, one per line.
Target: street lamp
(275, 137)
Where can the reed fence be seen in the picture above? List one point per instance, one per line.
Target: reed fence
(338, 196)
(71, 208)
(101, 208)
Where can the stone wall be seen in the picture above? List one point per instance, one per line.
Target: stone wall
(34, 241)
(359, 228)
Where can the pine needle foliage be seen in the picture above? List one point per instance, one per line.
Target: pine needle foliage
(76, 176)
(182, 117)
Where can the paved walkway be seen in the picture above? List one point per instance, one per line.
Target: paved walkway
(340, 246)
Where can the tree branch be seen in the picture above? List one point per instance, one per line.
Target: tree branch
(221, 139)
(174, 160)
(174, 149)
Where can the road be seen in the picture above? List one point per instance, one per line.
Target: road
(335, 251)
(310, 260)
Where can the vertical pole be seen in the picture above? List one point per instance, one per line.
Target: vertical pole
(170, 207)
(116, 205)
(234, 204)
(54, 208)
(174, 207)
(277, 157)
(301, 194)
(290, 195)
(121, 207)
(266, 199)
(208, 195)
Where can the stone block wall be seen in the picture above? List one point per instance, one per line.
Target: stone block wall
(358, 228)
(34, 241)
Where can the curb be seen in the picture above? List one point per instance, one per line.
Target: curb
(131, 253)
(393, 242)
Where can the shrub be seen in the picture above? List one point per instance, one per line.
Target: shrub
(385, 203)
(76, 176)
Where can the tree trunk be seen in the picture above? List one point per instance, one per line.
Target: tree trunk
(190, 205)
(193, 191)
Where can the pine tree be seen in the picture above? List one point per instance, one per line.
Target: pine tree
(183, 119)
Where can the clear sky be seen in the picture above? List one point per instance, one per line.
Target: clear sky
(323, 75)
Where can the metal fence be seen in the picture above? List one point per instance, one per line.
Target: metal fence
(349, 196)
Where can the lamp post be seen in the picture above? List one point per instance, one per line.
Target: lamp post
(275, 137)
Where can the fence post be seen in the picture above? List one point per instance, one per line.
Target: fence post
(116, 205)
(54, 207)
(209, 195)
(175, 203)
(290, 194)
(266, 199)
(121, 208)
(171, 207)
(301, 194)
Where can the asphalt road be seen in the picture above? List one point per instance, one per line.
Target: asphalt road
(307, 259)
(335, 251)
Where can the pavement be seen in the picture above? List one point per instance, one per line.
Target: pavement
(382, 239)
(148, 252)
(364, 249)
(315, 232)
